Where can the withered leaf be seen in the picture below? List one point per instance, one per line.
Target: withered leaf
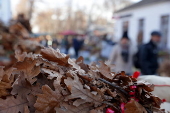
(47, 101)
(75, 66)
(29, 68)
(77, 91)
(13, 105)
(31, 101)
(6, 84)
(20, 56)
(145, 85)
(1, 72)
(66, 108)
(99, 109)
(134, 107)
(26, 110)
(19, 29)
(78, 102)
(113, 94)
(105, 71)
(80, 62)
(55, 56)
(51, 73)
(23, 87)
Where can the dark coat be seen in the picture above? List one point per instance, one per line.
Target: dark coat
(149, 59)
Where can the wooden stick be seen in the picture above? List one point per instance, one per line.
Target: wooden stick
(115, 86)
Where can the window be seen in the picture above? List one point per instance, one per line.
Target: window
(140, 31)
(164, 30)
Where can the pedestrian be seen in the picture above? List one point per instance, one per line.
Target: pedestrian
(149, 55)
(67, 44)
(122, 55)
(55, 44)
(77, 44)
(106, 47)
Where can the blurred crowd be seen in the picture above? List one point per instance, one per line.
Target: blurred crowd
(122, 55)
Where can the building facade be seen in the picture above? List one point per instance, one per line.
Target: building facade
(5, 11)
(142, 18)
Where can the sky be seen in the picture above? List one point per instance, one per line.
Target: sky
(77, 4)
(62, 3)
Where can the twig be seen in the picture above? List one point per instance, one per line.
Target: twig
(148, 110)
(117, 87)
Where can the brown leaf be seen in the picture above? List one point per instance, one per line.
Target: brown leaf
(42, 80)
(78, 102)
(6, 83)
(31, 101)
(113, 94)
(1, 72)
(19, 56)
(51, 73)
(12, 105)
(106, 71)
(145, 85)
(98, 109)
(29, 69)
(77, 91)
(4, 86)
(26, 110)
(75, 66)
(66, 108)
(55, 56)
(80, 62)
(134, 107)
(23, 87)
(47, 101)
(19, 29)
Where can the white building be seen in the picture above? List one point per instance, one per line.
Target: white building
(142, 18)
(5, 11)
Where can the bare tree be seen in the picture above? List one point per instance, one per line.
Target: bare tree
(116, 4)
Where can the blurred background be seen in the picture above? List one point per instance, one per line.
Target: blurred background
(113, 30)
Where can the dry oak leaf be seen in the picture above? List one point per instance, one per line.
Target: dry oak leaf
(20, 56)
(80, 62)
(78, 102)
(13, 105)
(145, 85)
(29, 69)
(51, 73)
(19, 29)
(106, 71)
(23, 87)
(1, 72)
(43, 80)
(5, 84)
(66, 108)
(75, 66)
(47, 101)
(31, 101)
(55, 56)
(134, 107)
(77, 91)
(26, 110)
(99, 109)
(6, 72)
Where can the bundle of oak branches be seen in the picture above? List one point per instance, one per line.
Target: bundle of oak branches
(52, 82)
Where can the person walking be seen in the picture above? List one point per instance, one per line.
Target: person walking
(122, 55)
(149, 55)
(77, 44)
